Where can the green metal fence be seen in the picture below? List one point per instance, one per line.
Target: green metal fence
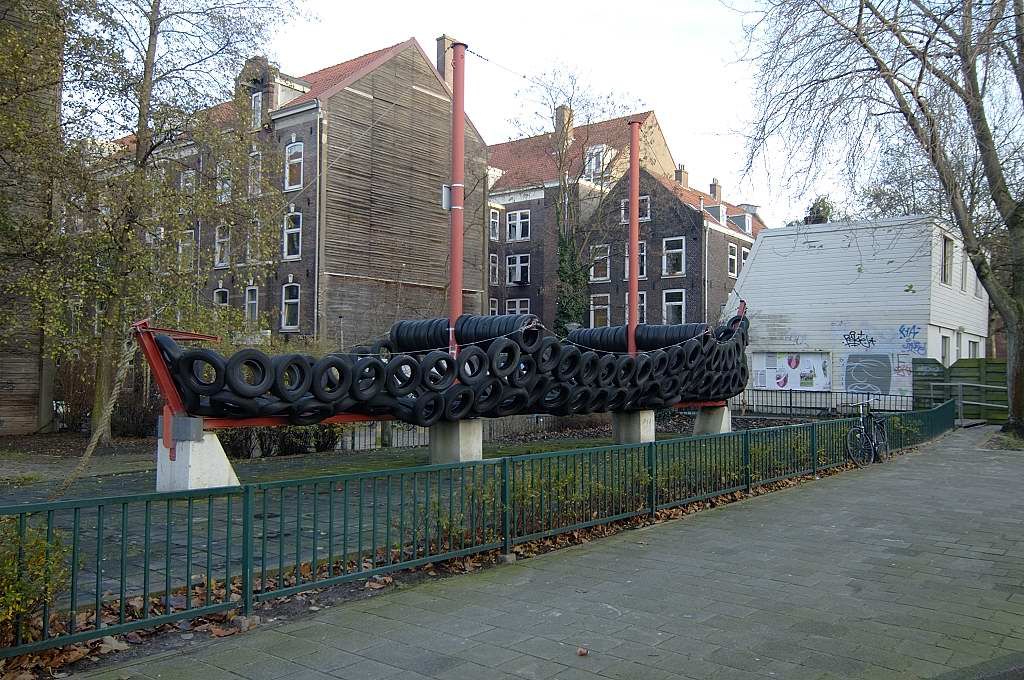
(131, 562)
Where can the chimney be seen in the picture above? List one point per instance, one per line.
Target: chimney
(682, 176)
(716, 189)
(444, 57)
(563, 123)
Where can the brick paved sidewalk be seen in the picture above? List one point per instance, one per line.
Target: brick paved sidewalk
(904, 570)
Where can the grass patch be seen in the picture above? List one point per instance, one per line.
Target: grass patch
(20, 480)
(1005, 442)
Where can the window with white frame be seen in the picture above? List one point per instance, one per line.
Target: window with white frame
(600, 311)
(517, 306)
(290, 306)
(733, 266)
(223, 182)
(593, 162)
(673, 256)
(250, 236)
(645, 209)
(517, 224)
(744, 254)
(641, 258)
(946, 273)
(944, 352)
(495, 225)
(495, 276)
(257, 109)
(252, 303)
(964, 264)
(188, 182)
(293, 166)
(973, 348)
(517, 269)
(641, 306)
(220, 297)
(673, 306)
(187, 251)
(600, 257)
(222, 246)
(292, 241)
(255, 173)
(492, 307)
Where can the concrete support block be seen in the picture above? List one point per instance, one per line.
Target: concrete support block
(196, 465)
(713, 420)
(457, 442)
(633, 427)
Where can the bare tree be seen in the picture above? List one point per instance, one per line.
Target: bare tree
(940, 80)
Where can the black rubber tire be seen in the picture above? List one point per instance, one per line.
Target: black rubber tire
(261, 366)
(272, 406)
(587, 374)
(606, 368)
(427, 408)
(234, 406)
(676, 362)
(625, 371)
(503, 356)
(529, 339)
(383, 348)
(548, 355)
(367, 378)
(292, 377)
(512, 401)
(525, 371)
(169, 349)
(402, 375)
(309, 411)
(659, 363)
(537, 389)
(187, 371)
(599, 400)
(472, 364)
(569, 364)
(324, 386)
(437, 371)
(458, 402)
(344, 405)
(555, 396)
(616, 398)
(487, 395)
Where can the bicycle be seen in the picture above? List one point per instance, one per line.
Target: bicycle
(867, 441)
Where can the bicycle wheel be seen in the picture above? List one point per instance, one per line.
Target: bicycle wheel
(858, 448)
(881, 440)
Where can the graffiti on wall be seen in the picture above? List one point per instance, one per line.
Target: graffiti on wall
(877, 359)
(858, 338)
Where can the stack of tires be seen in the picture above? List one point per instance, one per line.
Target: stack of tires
(505, 366)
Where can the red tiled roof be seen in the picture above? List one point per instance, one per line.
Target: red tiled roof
(326, 78)
(692, 197)
(530, 161)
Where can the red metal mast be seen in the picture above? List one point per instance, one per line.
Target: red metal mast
(634, 233)
(458, 190)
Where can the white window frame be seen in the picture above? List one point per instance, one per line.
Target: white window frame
(289, 162)
(733, 262)
(641, 305)
(187, 182)
(665, 304)
(290, 227)
(219, 292)
(514, 227)
(945, 350)
(494, 226)
(973, 349)
(517, 306)
(257, 109)
(287, 302)
(946, 274)
(252, 316)
(963, 270)
(495, 271)
(223, 182)
(594, 161)
(492, 307)
(595, 258)
(641, 259)
(744, 254)
(518, 263)
(255, 174)
(645, 209)
(599, 302)
(665, 251)
(222, 246)
(187, 245)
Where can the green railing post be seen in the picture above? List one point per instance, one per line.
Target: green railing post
(247, 561)
(506, 506)
(652, 488)
(814, 449)
(746, 459)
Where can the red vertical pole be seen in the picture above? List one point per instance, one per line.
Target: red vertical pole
(634, 232)
(458, 190)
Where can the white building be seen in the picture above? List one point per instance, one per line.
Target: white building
(847, 306)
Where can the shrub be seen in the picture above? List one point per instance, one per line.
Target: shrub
(32, 574)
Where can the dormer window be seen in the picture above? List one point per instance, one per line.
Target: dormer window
(593, 163)
(257, 109)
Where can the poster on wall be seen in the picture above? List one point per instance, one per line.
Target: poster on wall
(792, 371)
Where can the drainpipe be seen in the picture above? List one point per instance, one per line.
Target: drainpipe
(634, 232)
(319, 211)
(458, 191)
(707, 234)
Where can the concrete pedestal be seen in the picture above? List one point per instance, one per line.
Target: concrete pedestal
(633, 427)
(456, 442)
(713, 420)
(196, 465)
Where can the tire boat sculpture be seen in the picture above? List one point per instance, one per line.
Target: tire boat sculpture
(505, 366)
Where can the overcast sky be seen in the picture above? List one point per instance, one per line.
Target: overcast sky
(681, 59)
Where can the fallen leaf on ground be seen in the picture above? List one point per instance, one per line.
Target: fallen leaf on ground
(582, 651)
